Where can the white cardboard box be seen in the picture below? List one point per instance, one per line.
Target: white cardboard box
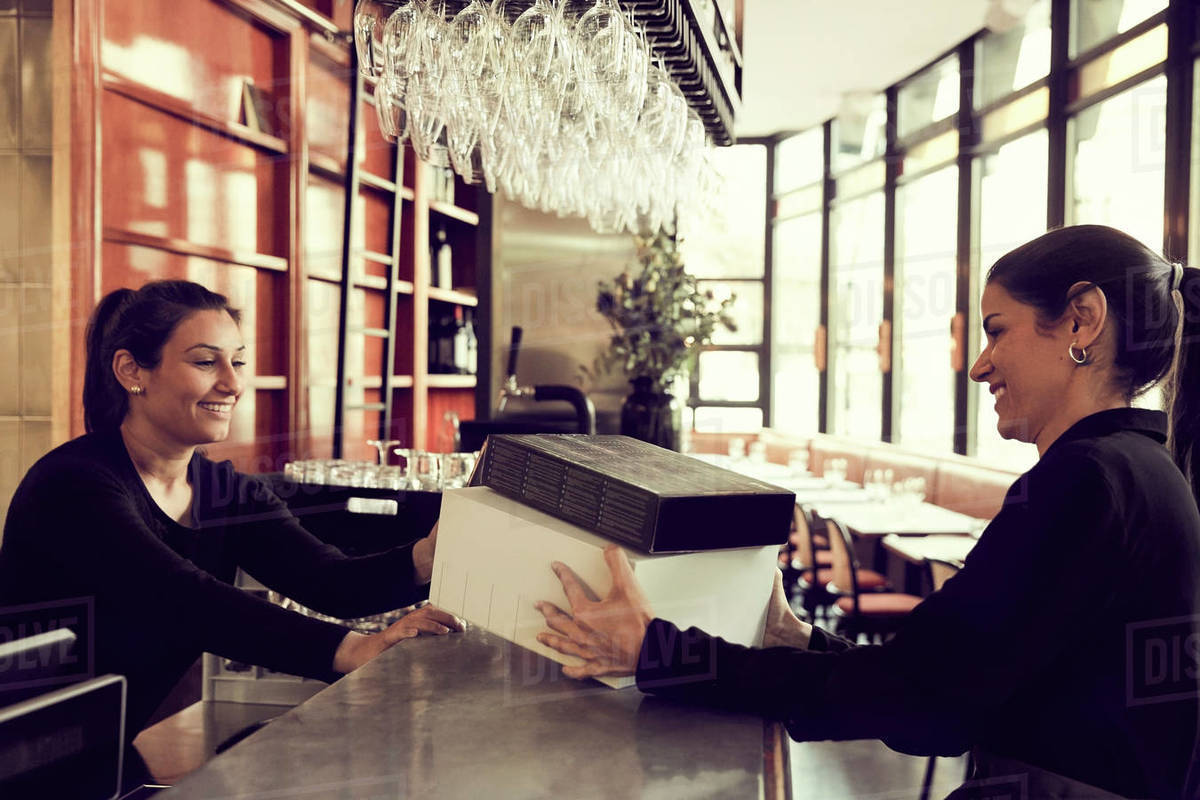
(492, 564)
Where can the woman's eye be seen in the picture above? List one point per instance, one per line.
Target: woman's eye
(239, 364)
(204, 363)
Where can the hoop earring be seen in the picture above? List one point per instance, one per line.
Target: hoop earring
(137, 390)
(1081, 358)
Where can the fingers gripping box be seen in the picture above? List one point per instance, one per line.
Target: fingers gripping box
(492, 564)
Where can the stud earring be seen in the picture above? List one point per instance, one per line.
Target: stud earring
(136, 390)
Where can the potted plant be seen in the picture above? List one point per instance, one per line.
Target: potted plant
(660, 318)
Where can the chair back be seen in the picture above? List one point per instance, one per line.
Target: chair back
(841, 549)
(941, 571)
(801, 540)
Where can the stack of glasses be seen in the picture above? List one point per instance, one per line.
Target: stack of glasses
(556, 103)
(419, 471)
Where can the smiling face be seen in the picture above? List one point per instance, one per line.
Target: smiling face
(189, 397)
(1025, 367)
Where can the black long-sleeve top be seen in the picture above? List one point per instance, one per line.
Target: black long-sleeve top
(1062, 643)
(82, 525)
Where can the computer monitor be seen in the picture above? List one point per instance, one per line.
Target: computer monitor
(67, 743)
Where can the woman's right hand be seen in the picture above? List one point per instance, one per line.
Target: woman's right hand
(783, 628)
(357, 649)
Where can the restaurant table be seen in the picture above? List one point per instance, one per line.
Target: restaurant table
(915, 550)
(918, 549)
(471, 715)
(879, 518)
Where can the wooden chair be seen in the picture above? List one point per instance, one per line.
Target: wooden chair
(810, 566)
(876, 614)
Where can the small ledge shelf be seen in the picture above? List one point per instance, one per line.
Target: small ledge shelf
(453, 296)
(451, 381)
(327, 166)
(453, 212)
(167, 104)
(401, 382)
(371, 282)
(185, 248)
(373, 181)
(269, 382)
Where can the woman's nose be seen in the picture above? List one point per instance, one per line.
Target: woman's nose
(981, 368)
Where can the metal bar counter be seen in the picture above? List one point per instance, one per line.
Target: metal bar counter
(470, 715)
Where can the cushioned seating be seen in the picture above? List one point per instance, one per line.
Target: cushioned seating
(825, 447)
(970, 489)
(868, 579)
(881, 604)
(903, 465)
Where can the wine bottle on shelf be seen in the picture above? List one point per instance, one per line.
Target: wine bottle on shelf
(472, 347)
(460, 342)
(443, 265)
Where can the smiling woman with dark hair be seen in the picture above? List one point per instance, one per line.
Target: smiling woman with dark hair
(1028, 655)
(133, 517)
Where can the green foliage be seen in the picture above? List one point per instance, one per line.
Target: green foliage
(659, 317)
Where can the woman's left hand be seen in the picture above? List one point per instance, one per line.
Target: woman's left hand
(607, 634)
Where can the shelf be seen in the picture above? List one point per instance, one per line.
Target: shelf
(406, 193)
(170, 105)
(404, 287)
(451, 381)
(328, 166)
(371, 282)
(374, 333)
(395, 382)
(378, 258)
(453, 296)
(401, 382)
(268, 382)
(453, 212)
(258, 260)
(375, 182)
(369, 382)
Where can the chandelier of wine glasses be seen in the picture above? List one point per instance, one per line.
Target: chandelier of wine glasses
(556, 102)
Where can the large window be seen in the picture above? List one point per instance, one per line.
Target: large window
(926, 265)
(1108, 164)
(1118, 162)
(855, 314)
(729, 258)
(796, 285)
(1012, 210)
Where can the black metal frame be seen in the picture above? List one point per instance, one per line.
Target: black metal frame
(1183, 25)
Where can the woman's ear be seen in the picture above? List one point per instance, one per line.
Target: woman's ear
(1087, 312)
(126, 368)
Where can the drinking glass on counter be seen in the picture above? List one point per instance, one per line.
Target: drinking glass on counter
(382, 446)
(456, 469)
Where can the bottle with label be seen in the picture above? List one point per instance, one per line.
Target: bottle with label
(460, 342)
(472, 347)
(442, 263)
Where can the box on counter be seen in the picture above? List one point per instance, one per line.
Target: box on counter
(492, 564)
(637, 494)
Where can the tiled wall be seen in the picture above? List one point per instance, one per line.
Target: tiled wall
(25, 213)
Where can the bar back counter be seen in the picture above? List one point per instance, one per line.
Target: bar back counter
(470, 715)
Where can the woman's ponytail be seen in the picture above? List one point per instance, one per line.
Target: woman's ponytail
(104, 401)
(1183, 384)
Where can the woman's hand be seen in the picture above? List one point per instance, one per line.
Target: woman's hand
(607, 634)
(422, 554)
(783, 629)
(357, 648)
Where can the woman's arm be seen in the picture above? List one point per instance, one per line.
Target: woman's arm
(272, 545)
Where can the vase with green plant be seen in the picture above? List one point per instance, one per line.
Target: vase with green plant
(660, 318)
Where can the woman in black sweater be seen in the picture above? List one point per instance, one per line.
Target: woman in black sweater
(133, 520)
(1064, 653)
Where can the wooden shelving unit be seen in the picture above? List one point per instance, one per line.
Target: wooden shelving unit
(293, 207)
